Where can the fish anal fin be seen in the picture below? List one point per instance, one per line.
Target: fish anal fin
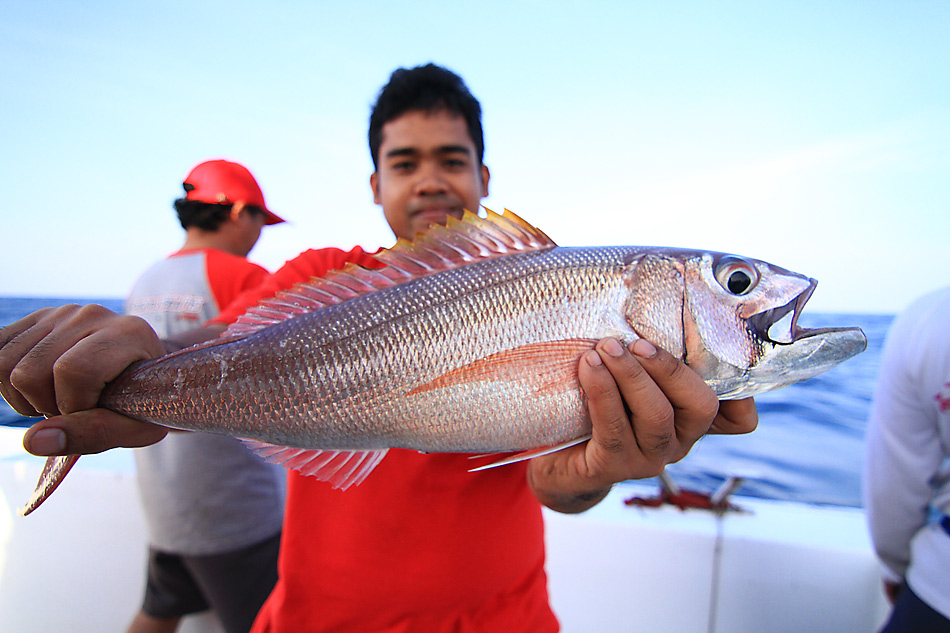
(54, 471)
(549, 367)
(341, 469)
(531, 454)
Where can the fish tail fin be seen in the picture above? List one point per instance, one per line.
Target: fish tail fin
(341, 469)
(54, 471)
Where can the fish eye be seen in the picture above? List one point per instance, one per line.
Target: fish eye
(736, 275)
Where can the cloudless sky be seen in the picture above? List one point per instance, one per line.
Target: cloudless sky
(810, 134)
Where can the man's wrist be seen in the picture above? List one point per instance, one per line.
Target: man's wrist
(567, 502)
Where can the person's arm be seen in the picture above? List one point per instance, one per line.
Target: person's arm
(647, 409)
(56, 362)
(903, 451)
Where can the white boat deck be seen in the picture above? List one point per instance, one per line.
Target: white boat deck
(77, 564)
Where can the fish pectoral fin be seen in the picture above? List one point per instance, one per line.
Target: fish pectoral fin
(341, 469)
(54, 471)
(549, 366)
(535, 452)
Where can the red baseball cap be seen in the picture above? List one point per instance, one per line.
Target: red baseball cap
(224, 182)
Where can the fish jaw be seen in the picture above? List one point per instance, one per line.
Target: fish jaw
(813, 352)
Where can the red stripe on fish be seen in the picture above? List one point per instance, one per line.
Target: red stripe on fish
(553, 363)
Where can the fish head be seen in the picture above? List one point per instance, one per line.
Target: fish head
(733, 320)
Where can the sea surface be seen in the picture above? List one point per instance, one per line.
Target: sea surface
(808, 446)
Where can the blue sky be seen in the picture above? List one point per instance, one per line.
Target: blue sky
(814, 135)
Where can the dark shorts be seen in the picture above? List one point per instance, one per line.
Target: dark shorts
(234, 584)
(913, 615)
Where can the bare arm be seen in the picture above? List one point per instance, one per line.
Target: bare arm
(647, 410)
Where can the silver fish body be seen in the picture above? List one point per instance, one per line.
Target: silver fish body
(468, 341)
(482, 357)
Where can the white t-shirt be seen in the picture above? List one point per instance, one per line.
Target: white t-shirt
(202, 493)
(907, 465)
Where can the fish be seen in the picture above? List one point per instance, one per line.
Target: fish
(467, 340)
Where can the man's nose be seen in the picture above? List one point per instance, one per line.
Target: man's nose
(431, 181)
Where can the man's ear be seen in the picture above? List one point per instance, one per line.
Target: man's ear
(236, 209)
(374, 185)
(485, 177)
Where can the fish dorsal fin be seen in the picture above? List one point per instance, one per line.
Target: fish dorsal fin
(458, 243)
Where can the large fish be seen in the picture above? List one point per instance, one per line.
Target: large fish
(468, 341)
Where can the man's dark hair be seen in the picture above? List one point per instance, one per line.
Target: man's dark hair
(428, 88)
(205, 215)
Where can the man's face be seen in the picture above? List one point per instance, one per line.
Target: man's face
(427, 171)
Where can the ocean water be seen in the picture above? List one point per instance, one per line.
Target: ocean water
(808, 446)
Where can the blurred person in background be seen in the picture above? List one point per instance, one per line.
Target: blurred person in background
(907, 467)
(213, 508)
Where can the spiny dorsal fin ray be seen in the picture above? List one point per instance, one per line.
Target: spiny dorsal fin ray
(458, 243)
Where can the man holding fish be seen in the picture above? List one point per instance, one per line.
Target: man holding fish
(422, 544)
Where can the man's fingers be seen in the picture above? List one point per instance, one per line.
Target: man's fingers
(97, 345)
(694, 404)
(611, 422)
(19, 365)
(90, 431)
(633, 423)
(735, 417)
(58, 360)
(82, 372)
(650, 417)
(647, 410)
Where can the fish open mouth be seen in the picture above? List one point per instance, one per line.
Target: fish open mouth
(780, 325)
(790, 353)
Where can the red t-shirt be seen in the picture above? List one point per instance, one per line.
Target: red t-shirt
(228, 275)
(421, 546)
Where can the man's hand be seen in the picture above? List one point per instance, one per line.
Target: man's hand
(647, 409)
(56, 362)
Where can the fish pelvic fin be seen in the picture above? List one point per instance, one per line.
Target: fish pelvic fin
(341, 469)
(549, 367)
(54, 471)
(535, 452)
(458, 243)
